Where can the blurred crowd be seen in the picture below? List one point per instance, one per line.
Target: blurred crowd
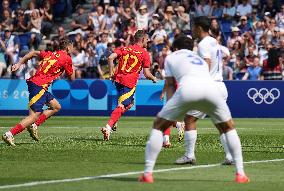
(250, 32)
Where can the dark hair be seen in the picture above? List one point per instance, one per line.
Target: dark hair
(63, 43)
(182, 41)
(139, 35)
(203, 22)
(273, 57)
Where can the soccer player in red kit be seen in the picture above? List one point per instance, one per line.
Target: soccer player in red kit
(131, 60)
(51, 66)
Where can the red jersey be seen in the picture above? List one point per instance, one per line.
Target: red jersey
(51, 66)
(131, 60)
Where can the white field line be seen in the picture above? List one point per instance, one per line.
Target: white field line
(201, 128)
(36, 183)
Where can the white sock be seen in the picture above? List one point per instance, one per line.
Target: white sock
(178, 125)
(9, 134)
(108, 127)
(153, 148)
(166, 138)
(225, 146)
(190, 138)
(234, 143)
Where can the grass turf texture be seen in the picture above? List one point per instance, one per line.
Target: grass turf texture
(72, 147)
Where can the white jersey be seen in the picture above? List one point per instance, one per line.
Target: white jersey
(185, 64)
(208, 48)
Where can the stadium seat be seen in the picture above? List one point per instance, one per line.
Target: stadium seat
(59, 9)
(24, 41)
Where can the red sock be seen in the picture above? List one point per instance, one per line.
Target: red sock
(17, 129)
(167, 131)
(115, 115)
(41, 119)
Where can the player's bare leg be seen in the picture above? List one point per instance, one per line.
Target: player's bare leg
(115, 116)
(8, 137)
(54, 107)
(180, 128)
(166, 137)
(153, 148)
(190, 137)
(235, 147)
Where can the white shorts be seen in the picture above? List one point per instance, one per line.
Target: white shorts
(201, 96)
(201, 115)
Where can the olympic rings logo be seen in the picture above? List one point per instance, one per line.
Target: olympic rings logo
(263, 95)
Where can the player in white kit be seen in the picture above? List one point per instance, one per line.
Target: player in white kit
(196, 90)
(210, 50)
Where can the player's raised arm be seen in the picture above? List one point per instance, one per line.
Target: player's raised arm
(24, 60)
(110, 60)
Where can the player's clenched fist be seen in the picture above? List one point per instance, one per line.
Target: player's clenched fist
(15, 67)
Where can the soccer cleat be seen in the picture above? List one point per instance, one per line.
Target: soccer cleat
(241, 178)
(114, 127)
(146, 178)
(181, 132)
(166, 144)
(186, 160)
(106, 132)
(9, 139)
(228, 162)
(33, 132)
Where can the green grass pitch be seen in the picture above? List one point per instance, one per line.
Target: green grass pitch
(72, 147)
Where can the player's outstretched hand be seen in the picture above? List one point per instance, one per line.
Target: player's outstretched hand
(15, 67)
(155, 80)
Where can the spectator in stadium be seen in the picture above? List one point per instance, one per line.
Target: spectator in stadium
(31, 8)
(97, 17)
(272, 67)
(280, 17)
(253, 71)
(250, 55)
(227, 71)
(35, 22)
(5, 7)
(7, 20)
(234, 37)
(216, 11)
(244, 9)
(215, 30)
(3, 64)
(162, 56)
(270, 31)
(170, 20)
(237, 50)
(258, 31)
(244, 25)
(20, 24)
(240, 68)
(109, 21)
(54, 43)
(202, 9)
(46, 14)
(183, 20)
(78, 60)
(159, 35)
(270, 7)
(80, 20)
(142, 15)
(12, 46)
(254, 18)
(229, 11)
(101, 48)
